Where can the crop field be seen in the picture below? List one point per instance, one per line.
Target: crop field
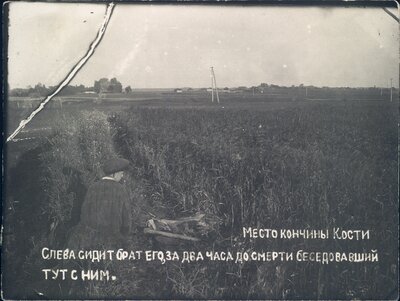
(245, 162)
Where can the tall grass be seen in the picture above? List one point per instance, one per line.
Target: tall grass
(78, 148)
(307, 167)
(313, 167)
(50, 184)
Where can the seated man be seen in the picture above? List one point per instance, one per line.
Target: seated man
(106, 214)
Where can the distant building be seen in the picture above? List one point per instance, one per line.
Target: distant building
(178, 90)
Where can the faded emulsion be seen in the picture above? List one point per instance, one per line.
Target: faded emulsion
(200, 151)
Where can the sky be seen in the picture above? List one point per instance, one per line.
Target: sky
(167, 46)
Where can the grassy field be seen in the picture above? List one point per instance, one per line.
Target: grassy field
(246, 162)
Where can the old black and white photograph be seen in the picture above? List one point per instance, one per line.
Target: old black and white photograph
(214, 151)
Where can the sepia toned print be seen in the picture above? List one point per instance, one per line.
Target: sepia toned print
(184, 151)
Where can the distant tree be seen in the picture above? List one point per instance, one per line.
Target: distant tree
(40, 89)
(96, 86)
(71, 90)
(101, 85)
(128, 89)
(37, 91)
(19, 92)
(115, 86)
(105, 85)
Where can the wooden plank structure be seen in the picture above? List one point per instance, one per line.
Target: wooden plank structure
(168, 228)
(170, 235)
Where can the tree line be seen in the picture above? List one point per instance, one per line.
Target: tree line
(103, 85)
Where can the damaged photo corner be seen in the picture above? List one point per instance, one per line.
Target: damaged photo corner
(186, 151)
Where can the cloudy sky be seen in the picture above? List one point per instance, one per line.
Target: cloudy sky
(165, 46)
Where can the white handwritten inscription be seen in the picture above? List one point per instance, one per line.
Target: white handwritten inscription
(64, 274)
(238, 256)
(335, 233)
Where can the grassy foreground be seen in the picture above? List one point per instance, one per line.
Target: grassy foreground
(313, 166)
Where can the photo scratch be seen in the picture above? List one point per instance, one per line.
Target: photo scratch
(390, 13)
(200, 152)
(71, 75)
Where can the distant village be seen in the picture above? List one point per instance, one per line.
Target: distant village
(104, 86)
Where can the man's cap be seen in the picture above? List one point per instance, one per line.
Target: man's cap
(115, 165)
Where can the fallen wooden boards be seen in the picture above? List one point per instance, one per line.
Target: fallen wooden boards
(169, 234)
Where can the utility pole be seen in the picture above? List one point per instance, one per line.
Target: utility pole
(213, 85)
(398, 21)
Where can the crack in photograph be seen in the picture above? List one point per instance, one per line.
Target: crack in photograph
(200, 151)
